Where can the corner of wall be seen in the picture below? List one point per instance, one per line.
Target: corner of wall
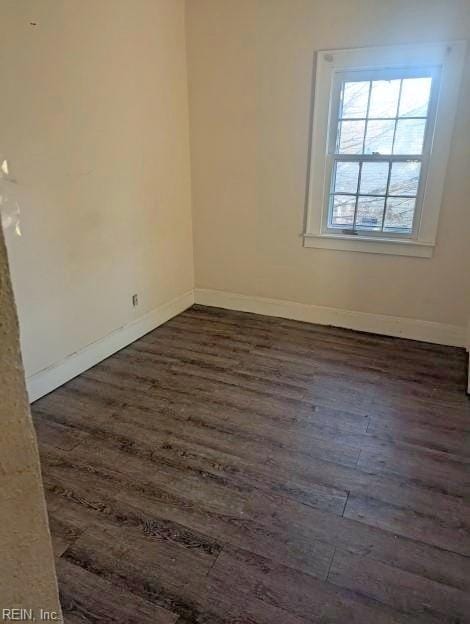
(27, 575)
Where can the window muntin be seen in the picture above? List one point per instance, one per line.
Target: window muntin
(380, 124)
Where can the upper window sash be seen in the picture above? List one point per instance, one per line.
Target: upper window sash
(340, 77)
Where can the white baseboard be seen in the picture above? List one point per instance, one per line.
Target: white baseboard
(57, 374)
(427, 331)
(53, 376)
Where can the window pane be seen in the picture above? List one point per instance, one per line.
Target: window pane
(414, 99)
(350, 137)
(384, 98)
(343, 211)
(379, 137)
(409, 136)
(399, 214)
(404, 178)
(355, 97)
(346, 177)
(370, 212)
(374, 177)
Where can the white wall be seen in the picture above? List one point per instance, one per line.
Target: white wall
(250, 68)
(94, 122)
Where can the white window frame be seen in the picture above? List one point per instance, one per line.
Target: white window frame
(445, 62)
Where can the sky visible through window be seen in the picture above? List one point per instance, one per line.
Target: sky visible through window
(385, 119)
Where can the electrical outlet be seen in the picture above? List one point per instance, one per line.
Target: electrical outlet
(135, 300)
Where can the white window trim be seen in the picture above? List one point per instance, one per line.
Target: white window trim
(449, 58)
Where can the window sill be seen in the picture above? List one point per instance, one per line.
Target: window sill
(370, 245)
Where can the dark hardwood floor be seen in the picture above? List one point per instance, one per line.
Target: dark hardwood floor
(229, 467)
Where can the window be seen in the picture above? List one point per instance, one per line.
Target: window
(379, 132)
(381, 137)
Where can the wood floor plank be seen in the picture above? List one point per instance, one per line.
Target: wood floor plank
(196, 447)
(213, 508)
(443, 472)
(331, 429)
(184, 354)
(446, 528)
(439, 437)
(57, 434)
(392, 407)
(87, 598)
(407, 593)
(141, 574)
(201, 424)
(299, 593)
(80, 495)
(166, 382)
(64, 531)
